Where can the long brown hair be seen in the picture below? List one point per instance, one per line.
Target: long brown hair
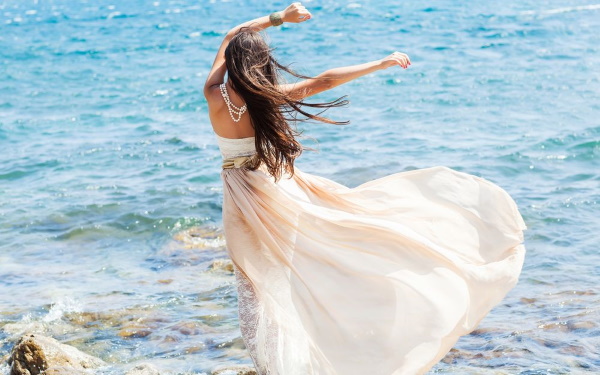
(255, 74)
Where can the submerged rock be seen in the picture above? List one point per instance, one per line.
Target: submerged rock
(235, 370)
(200, 238)
(134, 330)
(143, 369)
(36, 354)
(221, 265)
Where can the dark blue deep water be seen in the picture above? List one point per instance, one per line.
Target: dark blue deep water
(110, 193)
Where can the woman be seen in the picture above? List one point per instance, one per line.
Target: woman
(381, 279)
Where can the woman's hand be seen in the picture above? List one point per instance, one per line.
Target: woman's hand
(396, 58)
(295, 13)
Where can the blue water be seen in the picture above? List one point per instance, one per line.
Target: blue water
(110, 195)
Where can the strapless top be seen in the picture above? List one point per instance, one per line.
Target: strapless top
(233, 148)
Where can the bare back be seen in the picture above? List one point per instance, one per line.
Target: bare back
(221, 119)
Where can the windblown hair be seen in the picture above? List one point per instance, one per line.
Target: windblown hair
(255, 74)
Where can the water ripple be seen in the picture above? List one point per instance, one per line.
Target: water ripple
(110, 192)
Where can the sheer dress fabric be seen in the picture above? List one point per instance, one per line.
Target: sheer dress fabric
(380, 279)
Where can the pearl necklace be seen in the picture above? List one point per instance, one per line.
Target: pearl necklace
(233, 110)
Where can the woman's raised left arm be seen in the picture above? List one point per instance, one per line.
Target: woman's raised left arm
(338, 76)
(294, 13)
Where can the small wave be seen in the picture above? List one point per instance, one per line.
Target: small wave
(50, 323)
(212, 33)
(14, 175)
(117, 15)
(562, 10)
(60, 308)
(587, 145)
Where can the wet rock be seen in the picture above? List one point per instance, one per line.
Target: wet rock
(456, 356)
(194, 349)
(573, 325)
(143, 369)
(452, 356)
(170, 339)
(573, 350)
(484, 331)
(212, 319)
(36, 354)
(61, 370)
(200, 238)
(221, 265)
(528, 301)
(84, 318)
(236, 343)
(134, 331)
(130, 323)
(234, 370)
(187, 246)
(188, 328)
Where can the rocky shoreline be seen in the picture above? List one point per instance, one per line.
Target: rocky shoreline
(35, 354)
(35, 351)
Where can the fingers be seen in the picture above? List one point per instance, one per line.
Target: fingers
(401, 59)
(305, 15)
(403, 62)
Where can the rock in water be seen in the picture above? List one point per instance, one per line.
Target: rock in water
(143, 369)
(222, 265)
(235, 370)
(35, 354)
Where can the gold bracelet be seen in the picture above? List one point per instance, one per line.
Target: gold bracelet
(275, 19)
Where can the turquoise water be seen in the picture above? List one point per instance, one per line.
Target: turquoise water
(110, 193)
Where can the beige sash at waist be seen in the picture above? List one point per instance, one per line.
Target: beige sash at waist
(240, 162)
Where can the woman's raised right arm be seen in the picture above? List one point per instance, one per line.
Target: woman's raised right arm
(294, 13)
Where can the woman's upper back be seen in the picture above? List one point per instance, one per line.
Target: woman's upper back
(235, 138)
(223, 116)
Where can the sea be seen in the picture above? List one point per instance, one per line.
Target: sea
(111, 233)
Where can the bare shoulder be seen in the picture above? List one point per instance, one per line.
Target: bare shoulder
(213, 96)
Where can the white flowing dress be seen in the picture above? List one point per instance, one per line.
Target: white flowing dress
(380, 279)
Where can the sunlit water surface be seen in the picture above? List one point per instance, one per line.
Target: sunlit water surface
(110, 193)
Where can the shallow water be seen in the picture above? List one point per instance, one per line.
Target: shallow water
(110, 193)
